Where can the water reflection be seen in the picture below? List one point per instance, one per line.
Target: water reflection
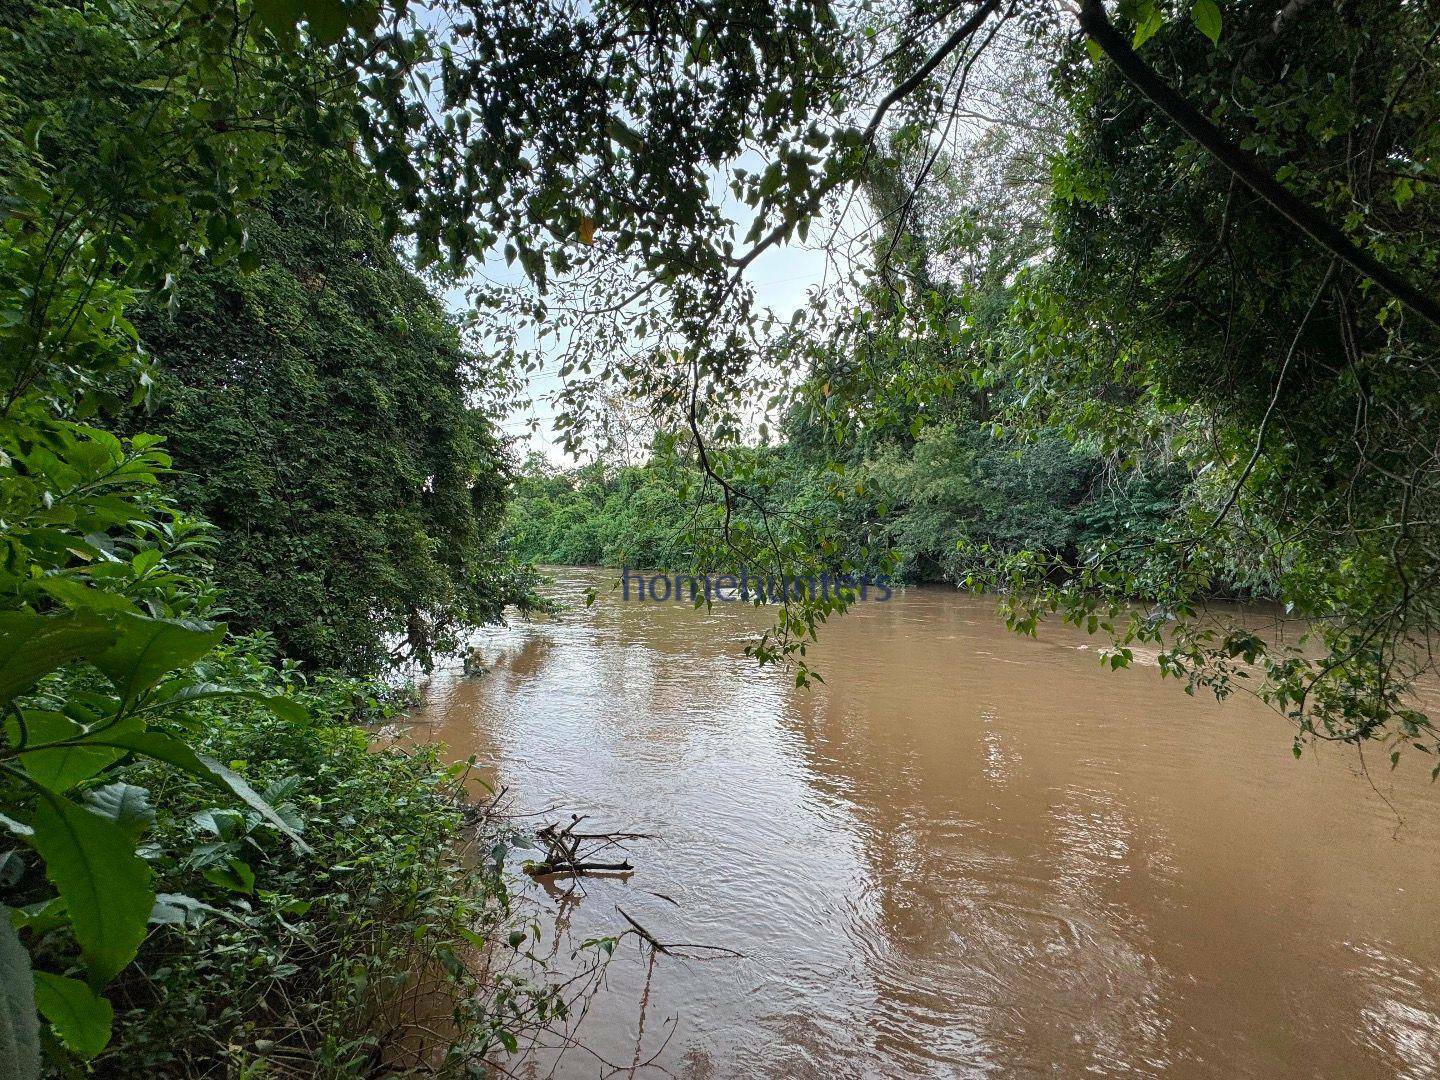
(967, 853)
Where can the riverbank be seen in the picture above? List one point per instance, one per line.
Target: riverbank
(347, 959)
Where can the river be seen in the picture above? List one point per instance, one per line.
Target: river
(968, 853)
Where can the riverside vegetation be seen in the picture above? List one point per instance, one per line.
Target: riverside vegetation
(1144, 306)
(227, 495)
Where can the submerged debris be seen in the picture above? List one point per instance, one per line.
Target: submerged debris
(567, 851)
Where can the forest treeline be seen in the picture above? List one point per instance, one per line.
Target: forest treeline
(1134, 300)
(916, 509)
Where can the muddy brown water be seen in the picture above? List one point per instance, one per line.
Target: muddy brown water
(968, 854)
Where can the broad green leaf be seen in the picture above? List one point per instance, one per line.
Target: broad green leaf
(286, 708)
(149, 649)
(40, 917)
(82, 597)
(173, 752)
(62, 767)
(145, 561)
(534, 264)
(237, 784)
(282, 789)
(290, 816)
(35, 645)
(106, 886)
(165, 914)
(1206, 14)
(177, 909)
(1149, 18)
(19, 1025)
(280, 16)
(81, 1019)
(181, 693)
(234, 875)
(127, 805)
(226, 824)
(328, 20)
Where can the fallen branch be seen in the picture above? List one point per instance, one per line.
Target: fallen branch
(552, 869)
(564, 855)
(670, 948)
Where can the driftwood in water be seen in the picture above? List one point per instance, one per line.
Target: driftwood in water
(564, 854)
(673, 948)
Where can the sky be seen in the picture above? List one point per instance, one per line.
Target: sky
(782, 277)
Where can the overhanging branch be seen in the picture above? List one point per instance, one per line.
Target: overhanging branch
(1245, 166)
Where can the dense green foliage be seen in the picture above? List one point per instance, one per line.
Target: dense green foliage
(123, 167)
(585, 518)
(1197, 351)
(318, 408)
(1180, 316)
(1221, 295)
(909, 510)
(263, 960)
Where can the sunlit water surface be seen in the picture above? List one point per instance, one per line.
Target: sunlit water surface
(968, 853)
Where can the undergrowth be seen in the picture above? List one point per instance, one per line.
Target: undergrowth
(368, 955)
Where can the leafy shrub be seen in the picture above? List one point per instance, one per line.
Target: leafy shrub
(262, 960)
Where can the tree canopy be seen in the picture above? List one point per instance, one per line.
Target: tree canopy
(323, 415)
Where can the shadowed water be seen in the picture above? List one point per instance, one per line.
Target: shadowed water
(969, 853)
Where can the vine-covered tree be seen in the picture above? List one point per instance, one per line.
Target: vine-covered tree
(324, 415)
